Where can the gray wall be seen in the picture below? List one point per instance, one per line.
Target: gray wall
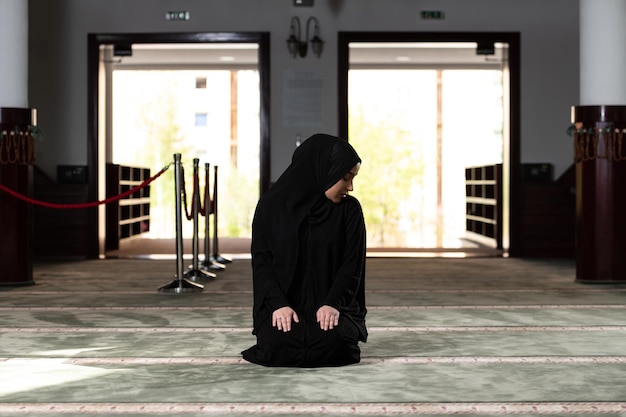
(58, 58)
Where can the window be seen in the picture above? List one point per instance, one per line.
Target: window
(201, 119)
(200, 82)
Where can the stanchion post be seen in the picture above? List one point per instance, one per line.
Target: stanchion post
(195, 273)
(180, 284)
(216, 254)
(208, 262)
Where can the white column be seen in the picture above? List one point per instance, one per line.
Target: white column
(14, 53)
(602, 52)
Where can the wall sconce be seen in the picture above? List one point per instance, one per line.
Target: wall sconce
(296, 46)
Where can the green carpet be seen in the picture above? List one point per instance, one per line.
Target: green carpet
(469, 336)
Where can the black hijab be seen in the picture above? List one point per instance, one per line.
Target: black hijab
(317, 165)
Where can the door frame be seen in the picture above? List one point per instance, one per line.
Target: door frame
(95, 218)
(512, 39)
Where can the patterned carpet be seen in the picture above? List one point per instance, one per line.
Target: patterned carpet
(479, 336)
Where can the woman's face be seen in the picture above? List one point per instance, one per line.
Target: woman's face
(339, 191)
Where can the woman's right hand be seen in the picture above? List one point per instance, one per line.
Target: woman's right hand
(281, 318)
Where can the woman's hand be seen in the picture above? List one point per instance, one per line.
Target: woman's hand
(327, 317)
(282, 317)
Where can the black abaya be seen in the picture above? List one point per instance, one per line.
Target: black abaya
(307, 252)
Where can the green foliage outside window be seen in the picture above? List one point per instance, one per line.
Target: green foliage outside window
(392, 166)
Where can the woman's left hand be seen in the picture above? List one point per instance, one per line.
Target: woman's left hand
(327, 317)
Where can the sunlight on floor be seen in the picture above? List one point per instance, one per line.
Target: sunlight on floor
(20, 375)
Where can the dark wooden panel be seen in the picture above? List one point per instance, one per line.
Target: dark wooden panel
(59, 232)
(600, 197)
(548, 217)
(15, 214)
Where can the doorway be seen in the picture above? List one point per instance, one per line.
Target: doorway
(423, 108)
(200, 60)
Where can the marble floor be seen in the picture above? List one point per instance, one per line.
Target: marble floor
(475, 336)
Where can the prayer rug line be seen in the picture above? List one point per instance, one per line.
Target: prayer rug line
(491, 408)
(371, 291)
(370, 308)
(402, 360)
(370, 329)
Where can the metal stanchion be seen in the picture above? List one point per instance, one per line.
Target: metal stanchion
(180, 284)
(216, 257)
(208, 263)
(195, 273)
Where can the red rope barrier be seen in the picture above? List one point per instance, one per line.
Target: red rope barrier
(84, 205)
(184, 194)
(207, 208)
(202, 209)
(194, 196)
